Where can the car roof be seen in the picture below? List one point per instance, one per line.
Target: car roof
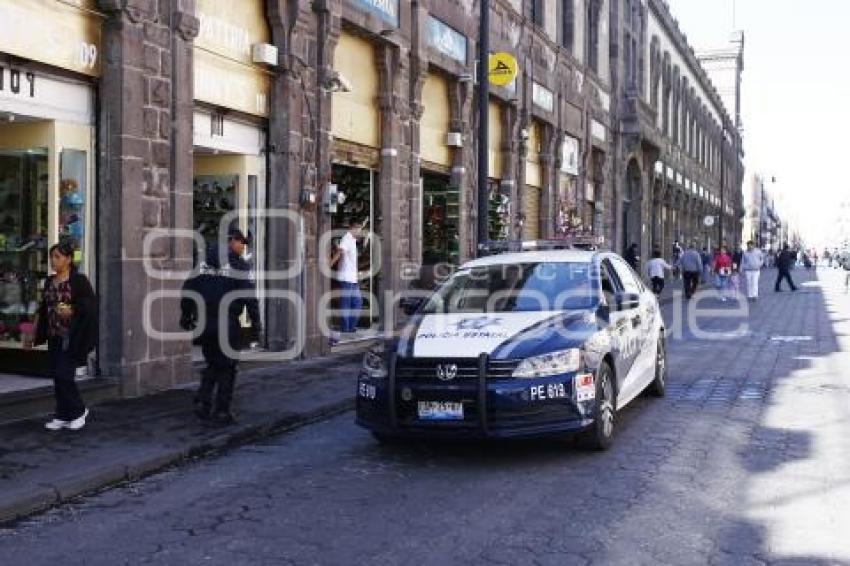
(547, 256)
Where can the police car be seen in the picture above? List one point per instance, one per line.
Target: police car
(519, 344)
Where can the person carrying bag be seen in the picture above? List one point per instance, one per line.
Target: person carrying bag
(67, 323)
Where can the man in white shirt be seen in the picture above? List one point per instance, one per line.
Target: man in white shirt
(344, 257)
(751, 264)
(656, 268)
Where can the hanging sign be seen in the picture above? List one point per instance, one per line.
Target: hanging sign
(502, 69)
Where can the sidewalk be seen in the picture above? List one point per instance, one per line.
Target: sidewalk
(127, 439)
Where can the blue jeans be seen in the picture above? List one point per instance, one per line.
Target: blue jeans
(350, 303)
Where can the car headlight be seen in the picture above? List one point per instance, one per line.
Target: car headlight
(375, 363)
(553, 363)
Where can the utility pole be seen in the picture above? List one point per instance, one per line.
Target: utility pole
(483, 121)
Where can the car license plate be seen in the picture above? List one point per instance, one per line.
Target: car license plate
(440, 411)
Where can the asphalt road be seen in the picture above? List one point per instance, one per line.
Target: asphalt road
(745, 462)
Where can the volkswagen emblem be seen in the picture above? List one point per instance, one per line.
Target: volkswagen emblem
(446, 372)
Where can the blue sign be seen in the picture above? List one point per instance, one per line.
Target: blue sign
(446, 40)
(386, 10)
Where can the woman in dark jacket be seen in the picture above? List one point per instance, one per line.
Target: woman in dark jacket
(67, 322)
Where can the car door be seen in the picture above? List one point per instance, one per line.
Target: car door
(632, 335)
(618, 320)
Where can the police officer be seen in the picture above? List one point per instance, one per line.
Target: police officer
(214, 284)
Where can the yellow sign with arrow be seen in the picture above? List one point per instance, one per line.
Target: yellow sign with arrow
(502, 69)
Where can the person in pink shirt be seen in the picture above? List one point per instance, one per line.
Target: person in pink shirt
(723, 270)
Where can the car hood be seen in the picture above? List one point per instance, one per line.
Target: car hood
(502, 335)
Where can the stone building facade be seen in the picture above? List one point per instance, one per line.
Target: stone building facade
(679, 154)
(205, 116)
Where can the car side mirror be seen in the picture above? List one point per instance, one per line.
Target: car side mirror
(409, 305)
(627, 301)
(603, 312)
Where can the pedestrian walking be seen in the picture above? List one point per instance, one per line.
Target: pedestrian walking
(737, 256)
(785, 262)
(751, 263)
(67, 323)
(344, 258)
(692, 270)
(655, 269)
(217, 285)
(723, 272)
(706, 264)
(675, 256)
(844, 261)
(632, 257)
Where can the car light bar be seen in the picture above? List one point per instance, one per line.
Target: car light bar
(493, 247)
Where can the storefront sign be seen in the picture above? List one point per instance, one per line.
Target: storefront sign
(597, 130)
(502, 69)
(386, 10)
(542, 97)
(228, 84)
(225, 74)
(28, 93)
(54, 33)
(569, 155)
(446, 40)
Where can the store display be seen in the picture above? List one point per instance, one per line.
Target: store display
(23, 241)
(440, 220)
(213, 197)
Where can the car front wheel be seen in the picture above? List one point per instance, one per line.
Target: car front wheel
(658, 387)
(600, 435)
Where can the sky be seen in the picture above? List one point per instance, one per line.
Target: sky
(795, 96)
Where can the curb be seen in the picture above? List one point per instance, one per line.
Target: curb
(45, 497)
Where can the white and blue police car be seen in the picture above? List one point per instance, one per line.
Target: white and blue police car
(527, 343)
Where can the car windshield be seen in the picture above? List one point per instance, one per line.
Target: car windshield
(525, 287)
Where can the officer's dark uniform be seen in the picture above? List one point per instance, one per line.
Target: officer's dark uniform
(785, 263)
(214, 284)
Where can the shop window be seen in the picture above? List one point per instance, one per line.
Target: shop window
(23, 242)
(357, 186)
(213, 197)
(499, 212)
(440, 220)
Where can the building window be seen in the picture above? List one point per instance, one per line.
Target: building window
(537, 10)
(594, 8)
(568, 23)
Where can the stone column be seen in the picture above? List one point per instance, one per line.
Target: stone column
(394, 183)
(462, 158)
(145, 169)
(292, 173)
(549, 181)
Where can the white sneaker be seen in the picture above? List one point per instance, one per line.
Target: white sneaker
(79, 422)
(56, 424)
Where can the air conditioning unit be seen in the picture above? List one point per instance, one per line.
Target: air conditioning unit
(454, 139)
(264, 53)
